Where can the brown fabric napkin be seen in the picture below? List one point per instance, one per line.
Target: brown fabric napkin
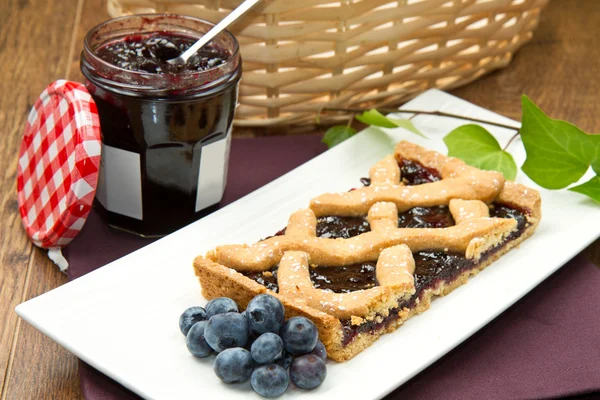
(545, 346)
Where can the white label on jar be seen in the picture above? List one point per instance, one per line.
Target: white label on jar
(120, 182)
(213, 172)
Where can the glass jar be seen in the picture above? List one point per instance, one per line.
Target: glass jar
(165, 137)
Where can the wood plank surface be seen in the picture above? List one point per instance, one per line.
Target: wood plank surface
(41, 369)
(40, 41)
(34, 46)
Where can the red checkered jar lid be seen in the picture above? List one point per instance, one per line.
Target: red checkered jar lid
(58, 166)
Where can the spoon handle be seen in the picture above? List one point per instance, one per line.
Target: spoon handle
(225, 22)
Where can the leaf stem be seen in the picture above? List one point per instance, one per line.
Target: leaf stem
(511, 140)
(419, 112)
(350, 120)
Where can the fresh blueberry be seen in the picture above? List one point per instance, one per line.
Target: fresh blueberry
(190, 317)
(308, 371)
(270, 380)
(265, 314)
(220, 305)
(195, 341)
(234, 365)
(299, 335)
(286, 360)
(267, 348)
(224, 331)
(320, 351)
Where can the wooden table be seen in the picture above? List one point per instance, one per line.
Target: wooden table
(40, 41)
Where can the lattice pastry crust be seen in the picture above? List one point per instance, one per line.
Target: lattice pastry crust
(467, 191)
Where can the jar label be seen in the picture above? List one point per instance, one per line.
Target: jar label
(213, 172)
(120, 182)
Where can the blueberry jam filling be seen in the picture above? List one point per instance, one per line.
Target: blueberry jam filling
(426, 217)
(266, 278)
(414, 173)
(504, 211)
(433, 267)
(341, 227)
(150, 53)
(344, 279)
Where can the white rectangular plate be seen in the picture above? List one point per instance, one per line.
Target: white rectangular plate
(122, 318)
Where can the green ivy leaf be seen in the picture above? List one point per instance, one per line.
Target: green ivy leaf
(596, 166)
(406, 124)
(477, 147)
(337, 134)
(558, 153)
(375, 118)
(591, 188)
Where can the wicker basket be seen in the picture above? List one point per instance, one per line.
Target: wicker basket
(303, 55)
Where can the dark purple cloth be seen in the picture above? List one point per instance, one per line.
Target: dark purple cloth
(545, 346)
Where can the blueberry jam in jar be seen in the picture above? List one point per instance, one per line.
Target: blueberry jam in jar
(151, 52)
(166, 129)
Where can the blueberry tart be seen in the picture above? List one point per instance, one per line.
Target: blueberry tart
(360, 263)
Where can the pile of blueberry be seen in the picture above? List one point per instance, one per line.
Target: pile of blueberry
(257, 344)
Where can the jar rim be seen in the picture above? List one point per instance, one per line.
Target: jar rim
(141, 80)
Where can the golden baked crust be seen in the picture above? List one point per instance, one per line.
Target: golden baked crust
(467, 191)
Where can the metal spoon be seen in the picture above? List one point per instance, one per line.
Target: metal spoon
(208, 36)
